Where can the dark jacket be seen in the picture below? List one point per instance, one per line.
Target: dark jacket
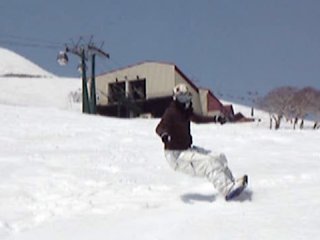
(176, 123)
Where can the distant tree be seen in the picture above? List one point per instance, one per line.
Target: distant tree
(278, 103)
(313, 96)
(305, 103)
(292, 103)
(75, 96)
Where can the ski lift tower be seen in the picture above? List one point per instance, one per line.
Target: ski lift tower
(85, 52)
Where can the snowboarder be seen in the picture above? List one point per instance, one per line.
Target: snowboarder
(174, 130)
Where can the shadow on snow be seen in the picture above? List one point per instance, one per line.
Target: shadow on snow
(191, 198)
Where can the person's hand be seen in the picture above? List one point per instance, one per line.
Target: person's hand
(165, 137)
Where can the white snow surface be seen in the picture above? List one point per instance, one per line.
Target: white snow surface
(41, 88)
(12, 63)
(70, 176)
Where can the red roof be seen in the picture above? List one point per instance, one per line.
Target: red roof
(186, 78)
(229, 110)
(213, 102)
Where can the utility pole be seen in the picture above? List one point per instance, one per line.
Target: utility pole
(93, 85)
(85, 51)
(85, 96)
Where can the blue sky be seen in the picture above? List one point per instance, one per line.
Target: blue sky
(229, 46)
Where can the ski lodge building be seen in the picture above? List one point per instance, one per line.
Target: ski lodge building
(145, 90)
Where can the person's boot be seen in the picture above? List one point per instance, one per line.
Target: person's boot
(237, 188)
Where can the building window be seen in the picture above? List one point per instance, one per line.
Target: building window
(117, 92)
(137, 89)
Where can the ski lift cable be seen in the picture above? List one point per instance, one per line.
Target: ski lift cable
(28, 39)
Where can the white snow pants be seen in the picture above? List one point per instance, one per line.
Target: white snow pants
(199, 162)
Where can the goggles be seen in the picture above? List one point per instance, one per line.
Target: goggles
(184, 97)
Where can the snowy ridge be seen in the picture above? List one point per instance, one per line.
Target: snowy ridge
(14, 64)
(25, 84)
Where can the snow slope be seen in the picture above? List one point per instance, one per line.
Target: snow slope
(65, 175)
(24, 83)
(12, 63)
(70, 176)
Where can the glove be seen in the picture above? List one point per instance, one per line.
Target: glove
(221, 119)
(165, 137)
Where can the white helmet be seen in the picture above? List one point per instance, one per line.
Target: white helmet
(181, 94)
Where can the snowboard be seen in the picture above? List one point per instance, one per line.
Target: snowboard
(236, 192)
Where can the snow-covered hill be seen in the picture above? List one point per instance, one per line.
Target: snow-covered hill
(24, 83)
(14, 64)
(71, 176)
